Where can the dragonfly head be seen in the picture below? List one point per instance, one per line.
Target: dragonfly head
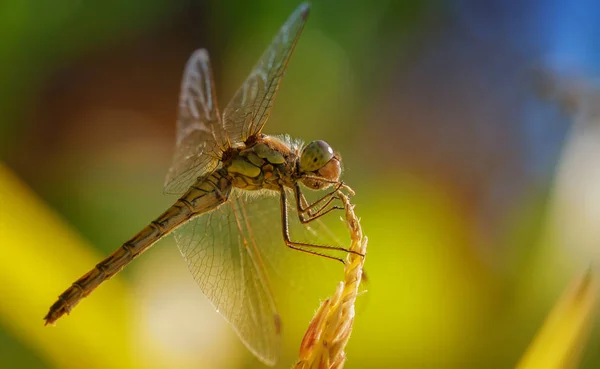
(318, 160)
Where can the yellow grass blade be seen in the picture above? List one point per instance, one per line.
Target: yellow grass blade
(560, 341)
(40, 256)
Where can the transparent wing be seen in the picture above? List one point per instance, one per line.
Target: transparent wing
(237, 256)
(224, 260)
(309, 275)
(250, 107)
(200, 133)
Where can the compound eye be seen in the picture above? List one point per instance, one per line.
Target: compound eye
(315, 155)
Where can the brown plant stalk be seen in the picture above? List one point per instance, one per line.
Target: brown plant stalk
(329, 331)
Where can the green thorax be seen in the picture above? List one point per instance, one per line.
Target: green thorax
(263, 165)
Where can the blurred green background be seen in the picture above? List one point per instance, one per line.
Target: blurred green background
(476, 174)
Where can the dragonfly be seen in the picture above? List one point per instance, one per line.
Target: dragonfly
(223, 164)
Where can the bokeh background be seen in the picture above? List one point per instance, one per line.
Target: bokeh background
(469, 131)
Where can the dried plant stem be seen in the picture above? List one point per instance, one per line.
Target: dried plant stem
(329, 331)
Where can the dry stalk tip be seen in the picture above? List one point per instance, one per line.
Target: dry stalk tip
(329, 331)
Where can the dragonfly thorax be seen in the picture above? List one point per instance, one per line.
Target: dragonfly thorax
(265, 163)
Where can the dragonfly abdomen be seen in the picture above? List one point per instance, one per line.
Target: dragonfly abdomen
(204, 196)
(208, 193)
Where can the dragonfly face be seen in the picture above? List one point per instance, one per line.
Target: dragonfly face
(319, 166)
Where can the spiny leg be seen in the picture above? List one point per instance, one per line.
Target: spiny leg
(300, 245)
(307, 218)
(304, 206)
(302, 202)
(321, 212)
(340, 184)
(305, 211)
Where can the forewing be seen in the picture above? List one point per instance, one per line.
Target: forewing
(225, 262)
(200, 133)
(251, 106)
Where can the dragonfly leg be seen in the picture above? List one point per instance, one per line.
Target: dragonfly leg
(322, 211)
(302, 246)
(307, 213)
(303, 205)
(339, 184)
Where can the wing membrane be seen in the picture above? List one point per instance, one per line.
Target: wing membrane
(200, 133)
(251, 106)
(224, 260)
(237, 256)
